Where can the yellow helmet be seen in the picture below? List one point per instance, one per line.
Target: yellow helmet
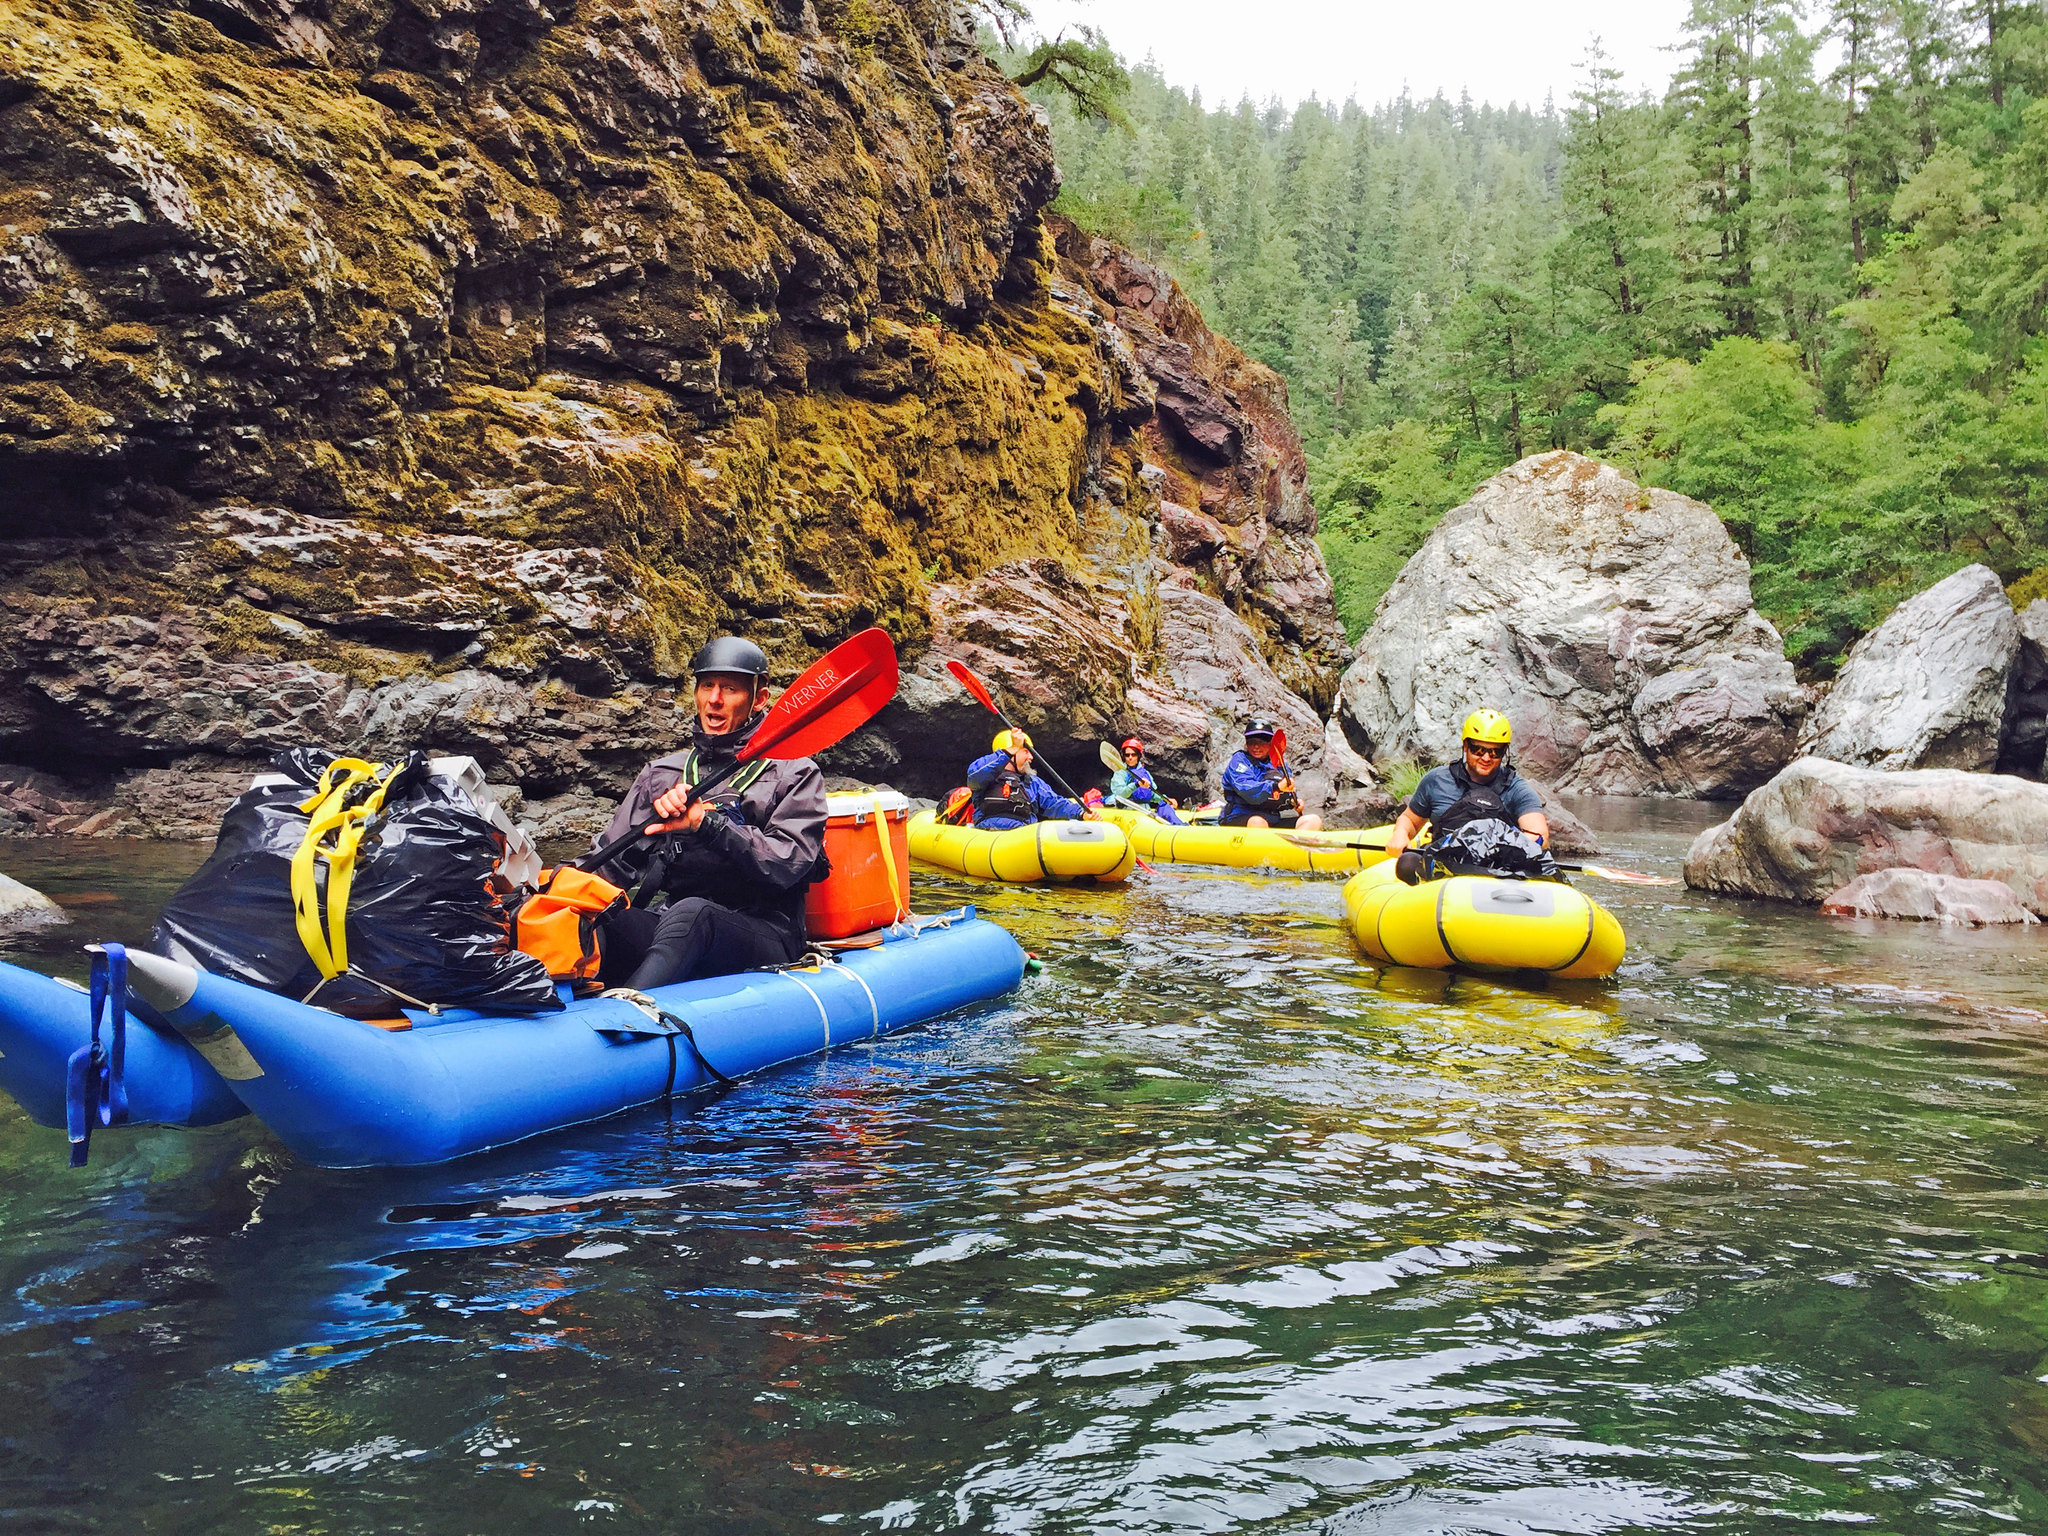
(1006, 740)
(1489, 726)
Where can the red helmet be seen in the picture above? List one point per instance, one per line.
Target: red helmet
(1132, 744)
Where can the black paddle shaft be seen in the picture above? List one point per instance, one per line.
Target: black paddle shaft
(1302, 842)
(1050, 772)
(619, 845)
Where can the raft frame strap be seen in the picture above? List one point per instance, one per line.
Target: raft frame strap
(874, 1008)
(824, 1014)
(95, 1075)
(350, 794)
(1592, 922)
(677, 1025)
(1443, 936)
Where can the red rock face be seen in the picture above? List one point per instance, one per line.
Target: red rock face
(442, 376)
(1235, 499)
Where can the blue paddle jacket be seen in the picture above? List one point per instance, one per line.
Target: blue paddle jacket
(984, 771)
(1250, 787)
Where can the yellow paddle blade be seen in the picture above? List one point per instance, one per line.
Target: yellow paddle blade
(1327, 840)
(1625, 876)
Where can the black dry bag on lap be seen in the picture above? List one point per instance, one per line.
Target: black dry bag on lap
(359, 887)
(1491, 847)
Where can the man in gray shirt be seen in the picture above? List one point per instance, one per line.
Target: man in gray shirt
(1481, 786)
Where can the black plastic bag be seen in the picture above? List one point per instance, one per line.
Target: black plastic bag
(425, 918)
(1493, 847)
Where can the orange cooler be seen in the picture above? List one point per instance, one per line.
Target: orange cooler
(868, 842)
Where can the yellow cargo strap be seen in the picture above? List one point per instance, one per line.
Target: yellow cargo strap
(898, 908)
(351, 792)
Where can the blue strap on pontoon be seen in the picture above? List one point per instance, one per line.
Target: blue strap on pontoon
(95, 1086)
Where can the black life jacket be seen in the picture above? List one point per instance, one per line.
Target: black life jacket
(1007, 795)
(1479, 802)
(732, 788)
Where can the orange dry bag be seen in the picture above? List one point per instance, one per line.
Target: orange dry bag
(557, 925)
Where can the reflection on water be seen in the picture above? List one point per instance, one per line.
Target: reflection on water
(1210, 1229)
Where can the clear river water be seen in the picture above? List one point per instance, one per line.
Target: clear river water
(1210, 1228)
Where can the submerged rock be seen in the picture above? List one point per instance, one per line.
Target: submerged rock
(1820, 824)
(1915, 893)
(23, 907)
(1613, 624)
(1927, 687)
(1568, 835)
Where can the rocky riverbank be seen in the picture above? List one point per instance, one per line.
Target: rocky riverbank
(390, 383)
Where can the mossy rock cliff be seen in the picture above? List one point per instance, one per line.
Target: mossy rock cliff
(382, 373)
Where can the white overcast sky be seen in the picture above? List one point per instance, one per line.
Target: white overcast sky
(1499, 50)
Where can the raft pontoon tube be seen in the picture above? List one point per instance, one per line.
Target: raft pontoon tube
(1044, 850)
(1483, 923)
(346, 1094)
(44, 1023)
(1246, 847)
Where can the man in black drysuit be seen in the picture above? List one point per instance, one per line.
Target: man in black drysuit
(734, 865)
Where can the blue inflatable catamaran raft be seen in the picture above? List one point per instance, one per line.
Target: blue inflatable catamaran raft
(193, 1048)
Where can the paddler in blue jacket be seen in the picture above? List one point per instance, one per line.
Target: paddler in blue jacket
(1257, 790)
(1008, 794)
(1133, 784)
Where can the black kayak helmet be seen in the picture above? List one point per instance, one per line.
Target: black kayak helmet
(729, 653)
(1259, 725)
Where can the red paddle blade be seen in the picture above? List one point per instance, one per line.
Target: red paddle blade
(1279, 749)
(838, 694)
(973, 685)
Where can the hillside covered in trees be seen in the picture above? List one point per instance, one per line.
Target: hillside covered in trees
(1807, 285)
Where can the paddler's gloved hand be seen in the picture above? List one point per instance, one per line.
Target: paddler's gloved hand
(679, 813)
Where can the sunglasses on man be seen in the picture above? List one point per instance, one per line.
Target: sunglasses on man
(1478, 750)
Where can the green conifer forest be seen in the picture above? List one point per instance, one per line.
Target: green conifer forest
(1807, 285)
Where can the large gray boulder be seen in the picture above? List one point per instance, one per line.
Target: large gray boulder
(1819, 824)
(1927, 687)
(1613, 624)
(23, 907)
(1356, 796)
(2026, 699)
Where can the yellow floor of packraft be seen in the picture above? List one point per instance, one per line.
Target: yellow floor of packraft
(1045, 850)
(1483, 923)
(1243, 847)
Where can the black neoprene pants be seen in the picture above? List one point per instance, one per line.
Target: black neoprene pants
(687, 939)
